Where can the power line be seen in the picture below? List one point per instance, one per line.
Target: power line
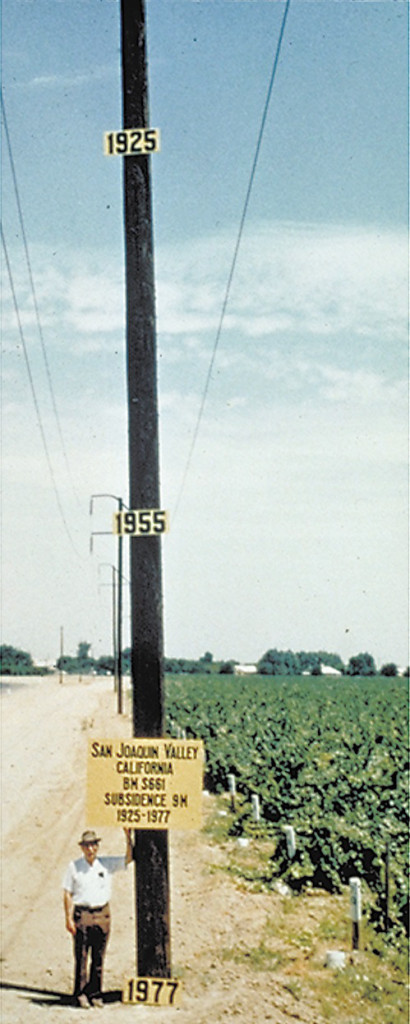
(35, 303)
(235, 256)
(33, 392)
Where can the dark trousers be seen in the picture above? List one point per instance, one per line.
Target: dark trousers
(91, 937)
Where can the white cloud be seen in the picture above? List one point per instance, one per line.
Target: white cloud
(75, 78)
(292, 525)
(361, 387)
(95, 303)
(299, 284)
(289, 278)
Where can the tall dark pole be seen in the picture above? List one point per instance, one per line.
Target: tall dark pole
(152, 879)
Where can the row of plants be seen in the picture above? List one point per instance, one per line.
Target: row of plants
(331, 762)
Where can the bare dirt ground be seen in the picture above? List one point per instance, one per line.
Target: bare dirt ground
(224, 936)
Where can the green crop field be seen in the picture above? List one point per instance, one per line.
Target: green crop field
(329, 758)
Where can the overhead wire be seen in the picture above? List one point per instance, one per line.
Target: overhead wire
(34, 295)
(234, 258)
(34, 394)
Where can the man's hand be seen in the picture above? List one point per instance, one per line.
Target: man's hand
(69, 912)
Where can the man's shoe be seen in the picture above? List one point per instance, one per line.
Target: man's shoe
(83, 1002)
(98, 1003)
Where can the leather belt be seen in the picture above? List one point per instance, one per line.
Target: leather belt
(91, 910)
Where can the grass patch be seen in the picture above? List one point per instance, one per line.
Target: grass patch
(259, 958)
(249, 865)
(363, 991)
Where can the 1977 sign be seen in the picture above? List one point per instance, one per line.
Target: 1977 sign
(152, 991)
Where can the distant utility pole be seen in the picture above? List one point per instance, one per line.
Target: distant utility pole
(119, 597)
(61, 652)
(114, 620)
(152, 877)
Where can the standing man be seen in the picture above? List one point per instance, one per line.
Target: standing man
(87, 891)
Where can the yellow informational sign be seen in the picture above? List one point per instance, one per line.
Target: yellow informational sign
(140, 522)
(145, 783)
(152, 992)
(132, 142)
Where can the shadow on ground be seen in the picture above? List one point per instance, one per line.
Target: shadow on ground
(49, 997)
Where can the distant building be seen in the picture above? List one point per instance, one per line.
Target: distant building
(328, 670)
(244, 670)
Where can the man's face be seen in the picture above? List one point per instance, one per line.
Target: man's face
(90, 851)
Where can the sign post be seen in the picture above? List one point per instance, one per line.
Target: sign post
(151, 847)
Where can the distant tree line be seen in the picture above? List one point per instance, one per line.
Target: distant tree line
(83, 664)
(202, 665)
(15, 662)
(289, 663)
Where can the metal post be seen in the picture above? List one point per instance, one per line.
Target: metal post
(114, 620)
(114, 629)
(119, 620)
(290, 841)
(152, 872)
(115, 648)
(256, 813)
(386, 889)
(232, 790)
(355, 910)
(61, 651)
(119, 613)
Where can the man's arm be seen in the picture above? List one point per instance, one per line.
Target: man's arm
(130, 849)
(69, 912)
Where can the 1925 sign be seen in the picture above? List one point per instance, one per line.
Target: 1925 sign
(132, 142)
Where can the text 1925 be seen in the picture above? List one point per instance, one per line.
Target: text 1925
(151, 817)
(132, 142)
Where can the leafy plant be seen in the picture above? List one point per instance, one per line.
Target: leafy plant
(327, 757)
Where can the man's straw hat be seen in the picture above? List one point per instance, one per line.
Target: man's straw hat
(89, 837)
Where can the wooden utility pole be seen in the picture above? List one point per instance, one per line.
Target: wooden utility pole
(61, 652)
(152, 877)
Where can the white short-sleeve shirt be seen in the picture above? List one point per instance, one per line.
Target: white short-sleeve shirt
(90, 884)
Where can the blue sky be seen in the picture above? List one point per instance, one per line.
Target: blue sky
(292, 527)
